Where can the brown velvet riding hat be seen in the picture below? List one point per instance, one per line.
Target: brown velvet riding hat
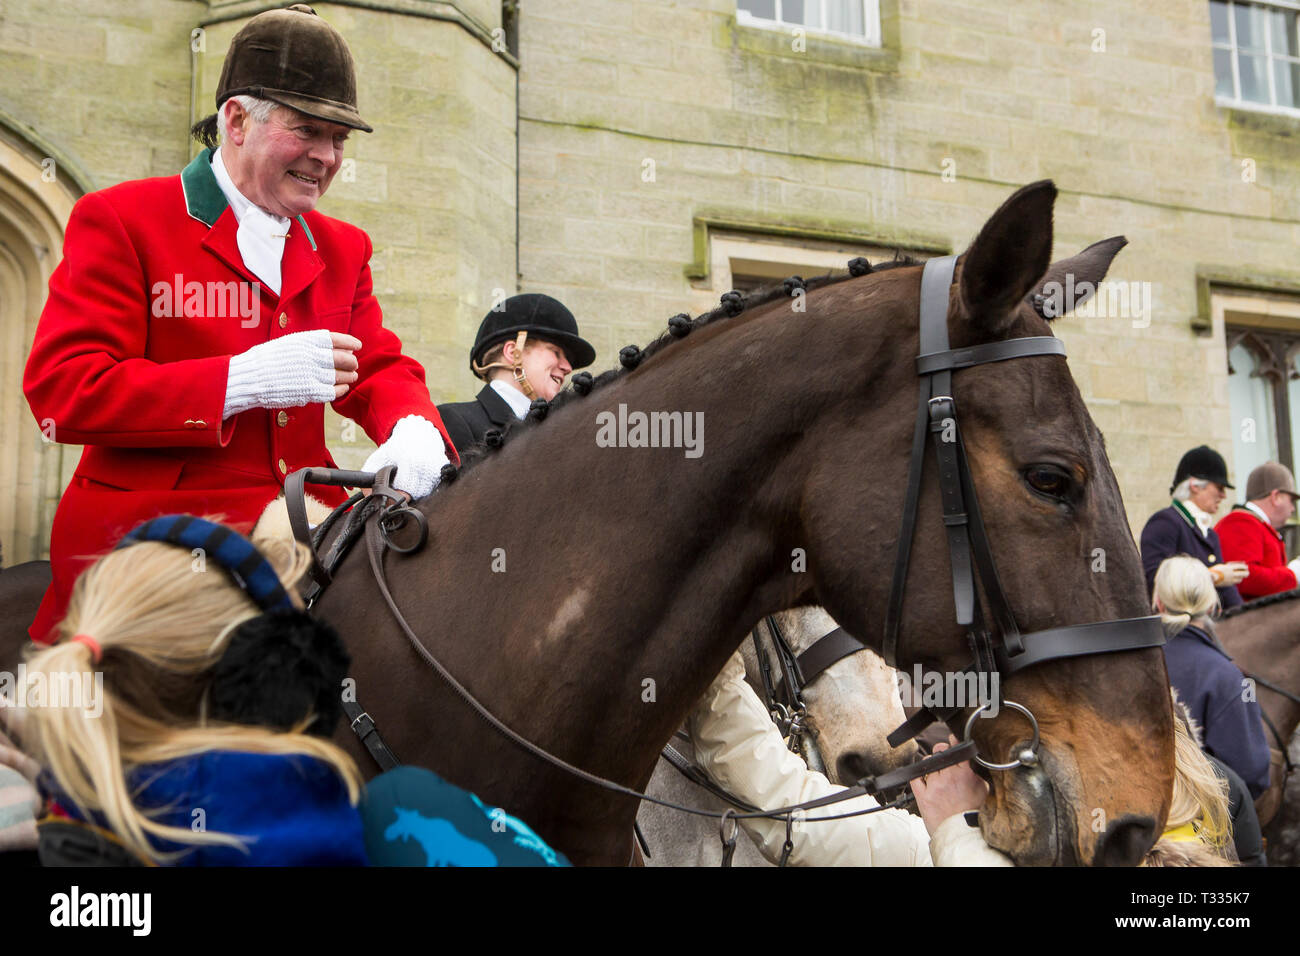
(1268, 478)
(294, 58)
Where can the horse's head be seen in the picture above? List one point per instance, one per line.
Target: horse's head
(1056, 525)
(852, 705)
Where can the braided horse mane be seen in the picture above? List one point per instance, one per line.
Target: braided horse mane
(679, 326)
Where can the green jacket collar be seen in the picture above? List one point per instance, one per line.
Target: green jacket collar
(204, 199)
(1187, 516)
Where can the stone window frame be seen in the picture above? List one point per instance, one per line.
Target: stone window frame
(766, 256)
(1230, 47)
(1268, 325)
(871, 35)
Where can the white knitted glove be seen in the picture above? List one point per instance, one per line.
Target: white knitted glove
(292, 370)
(415, 447)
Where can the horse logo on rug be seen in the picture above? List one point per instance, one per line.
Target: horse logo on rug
(442, 843)
(524, 836)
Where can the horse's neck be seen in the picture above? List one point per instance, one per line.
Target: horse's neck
(1263, 643)
(590, 593)
(645, 561)
(626, 562)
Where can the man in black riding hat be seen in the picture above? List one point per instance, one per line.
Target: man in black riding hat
(524, 351)
(1185, 527)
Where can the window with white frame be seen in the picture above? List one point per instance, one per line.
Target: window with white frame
(1256, 54)
(1261, 335)
(858, 19)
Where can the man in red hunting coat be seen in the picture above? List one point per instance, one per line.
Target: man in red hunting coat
(198, 323)
(1250, 532)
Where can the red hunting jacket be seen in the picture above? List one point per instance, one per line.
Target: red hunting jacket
(1245, 537)
(133, 349)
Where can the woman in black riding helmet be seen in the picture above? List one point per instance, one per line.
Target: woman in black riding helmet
(523, 352)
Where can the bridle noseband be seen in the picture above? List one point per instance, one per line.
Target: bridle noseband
(783, 695)
(999, 649)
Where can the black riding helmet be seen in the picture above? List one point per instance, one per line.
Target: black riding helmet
(538, 315)
(1201, 462)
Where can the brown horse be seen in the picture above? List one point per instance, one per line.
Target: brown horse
(587, 594)
(632, 572)
(1263, 638)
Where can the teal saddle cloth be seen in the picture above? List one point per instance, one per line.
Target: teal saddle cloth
(412, 817)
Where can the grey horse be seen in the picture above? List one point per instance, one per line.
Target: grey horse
(853, 705)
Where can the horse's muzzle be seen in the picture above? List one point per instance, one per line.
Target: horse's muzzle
(1125, 842)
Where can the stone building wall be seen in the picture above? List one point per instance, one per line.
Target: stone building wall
(89, 97)
(657, 142)
(849, 145)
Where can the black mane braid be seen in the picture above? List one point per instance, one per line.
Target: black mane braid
(680, 325)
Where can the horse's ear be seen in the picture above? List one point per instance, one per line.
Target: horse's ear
(1008, 257)
(1081, 273)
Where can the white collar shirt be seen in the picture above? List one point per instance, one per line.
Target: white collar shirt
(1259, 513)
(1203, 520)
(261, 235)
(519, 402)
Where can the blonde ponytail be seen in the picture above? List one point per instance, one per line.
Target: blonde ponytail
(1185, 590)
(161, 620)
(1200, 794)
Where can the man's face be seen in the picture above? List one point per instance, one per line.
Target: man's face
(285, 164)
(1208, 497)
(1281, 507)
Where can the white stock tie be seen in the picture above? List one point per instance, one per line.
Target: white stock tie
(261, 244)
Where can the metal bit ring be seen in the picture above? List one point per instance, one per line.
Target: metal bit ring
(1027, 757)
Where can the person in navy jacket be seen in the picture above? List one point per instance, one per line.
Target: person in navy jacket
(1185, 526)
(1209, 684)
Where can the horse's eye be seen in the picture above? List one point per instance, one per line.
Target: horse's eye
(1048, 480)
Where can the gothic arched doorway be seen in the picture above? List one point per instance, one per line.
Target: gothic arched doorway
(36, 198)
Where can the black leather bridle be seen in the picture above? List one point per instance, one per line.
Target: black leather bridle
(1000, 648)
(783, 692)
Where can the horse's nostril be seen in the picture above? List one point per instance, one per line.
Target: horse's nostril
(852, 767)
(1125, 842)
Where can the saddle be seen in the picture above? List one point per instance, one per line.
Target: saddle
(347, 523)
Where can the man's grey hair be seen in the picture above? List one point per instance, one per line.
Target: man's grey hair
(258, 109)
(1185, 488)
